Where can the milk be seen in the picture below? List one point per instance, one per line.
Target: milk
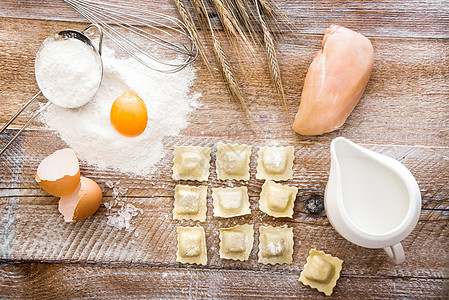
(374, 197)
(371, 199)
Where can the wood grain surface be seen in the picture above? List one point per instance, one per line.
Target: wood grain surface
(404, 114)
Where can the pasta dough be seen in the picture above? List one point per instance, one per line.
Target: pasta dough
(191, 163)
(275, 245)
(191, 245)
(233, 161)
(275, 163)
(277, 200)
(190, 203)
(321, 271)
(236, 242)
(231, 202)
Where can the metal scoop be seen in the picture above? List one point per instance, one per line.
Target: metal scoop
(61, 35)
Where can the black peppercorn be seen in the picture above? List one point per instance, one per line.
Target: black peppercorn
(314, 204)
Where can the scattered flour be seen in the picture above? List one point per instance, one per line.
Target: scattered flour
(275, 249)
(88, 131)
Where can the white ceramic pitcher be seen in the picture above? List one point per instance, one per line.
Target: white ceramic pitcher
(371, 199)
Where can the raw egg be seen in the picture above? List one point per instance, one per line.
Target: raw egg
(129, 114)
(83, 202)
(59, 173)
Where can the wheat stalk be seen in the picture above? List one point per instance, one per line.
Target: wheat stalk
(231, 25)
(202, 14)
(273, 63)
(245, 17)
(267, 7)
(228, 74)
(225, 67)
(188, 21)
(242, 20)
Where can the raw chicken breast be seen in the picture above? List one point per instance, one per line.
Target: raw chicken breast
(335, 81)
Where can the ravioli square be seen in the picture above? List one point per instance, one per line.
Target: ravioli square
(233, 161)
(191, 163)
(191, 245)
(321, 271)
(231, 202)
(236, 242)
(277, 200)
(275, 245)
(275, 163)
(190, 203)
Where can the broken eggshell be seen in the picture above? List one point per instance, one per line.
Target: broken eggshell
(83, 202)
(59, 173)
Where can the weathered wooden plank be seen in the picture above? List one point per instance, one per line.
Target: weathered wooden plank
(404, 114)
(396, 18)
(49, 281)
(33, 230)
(311, 166)
(405, 101)
(26, 205)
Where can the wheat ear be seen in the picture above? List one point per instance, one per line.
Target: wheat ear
(188, 21)
(273, 63)
(228, 74)
(231, 25)
(225, 67)
(267, 7)
(245, 16)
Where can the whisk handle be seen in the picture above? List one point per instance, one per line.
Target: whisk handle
(26, 124)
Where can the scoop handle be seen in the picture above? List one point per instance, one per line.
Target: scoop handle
(26, 124)
(396, 253)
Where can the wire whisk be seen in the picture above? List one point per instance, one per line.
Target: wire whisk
(158, 41)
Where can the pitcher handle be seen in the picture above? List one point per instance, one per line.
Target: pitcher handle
(396, 253)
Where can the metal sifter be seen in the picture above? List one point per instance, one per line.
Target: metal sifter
(55, 37)
(158, 41)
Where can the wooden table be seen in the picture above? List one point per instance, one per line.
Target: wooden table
(404, 114)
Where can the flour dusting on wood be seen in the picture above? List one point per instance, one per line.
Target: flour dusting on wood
(88, 130)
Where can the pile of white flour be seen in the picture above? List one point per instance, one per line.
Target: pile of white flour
(88, 130)
(67, 67)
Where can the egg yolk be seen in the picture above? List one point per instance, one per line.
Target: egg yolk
(129, 114)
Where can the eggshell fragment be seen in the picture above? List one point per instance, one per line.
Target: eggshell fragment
(83, 202)
(59, 173)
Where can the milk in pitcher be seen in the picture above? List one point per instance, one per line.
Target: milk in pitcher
(374, 197)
